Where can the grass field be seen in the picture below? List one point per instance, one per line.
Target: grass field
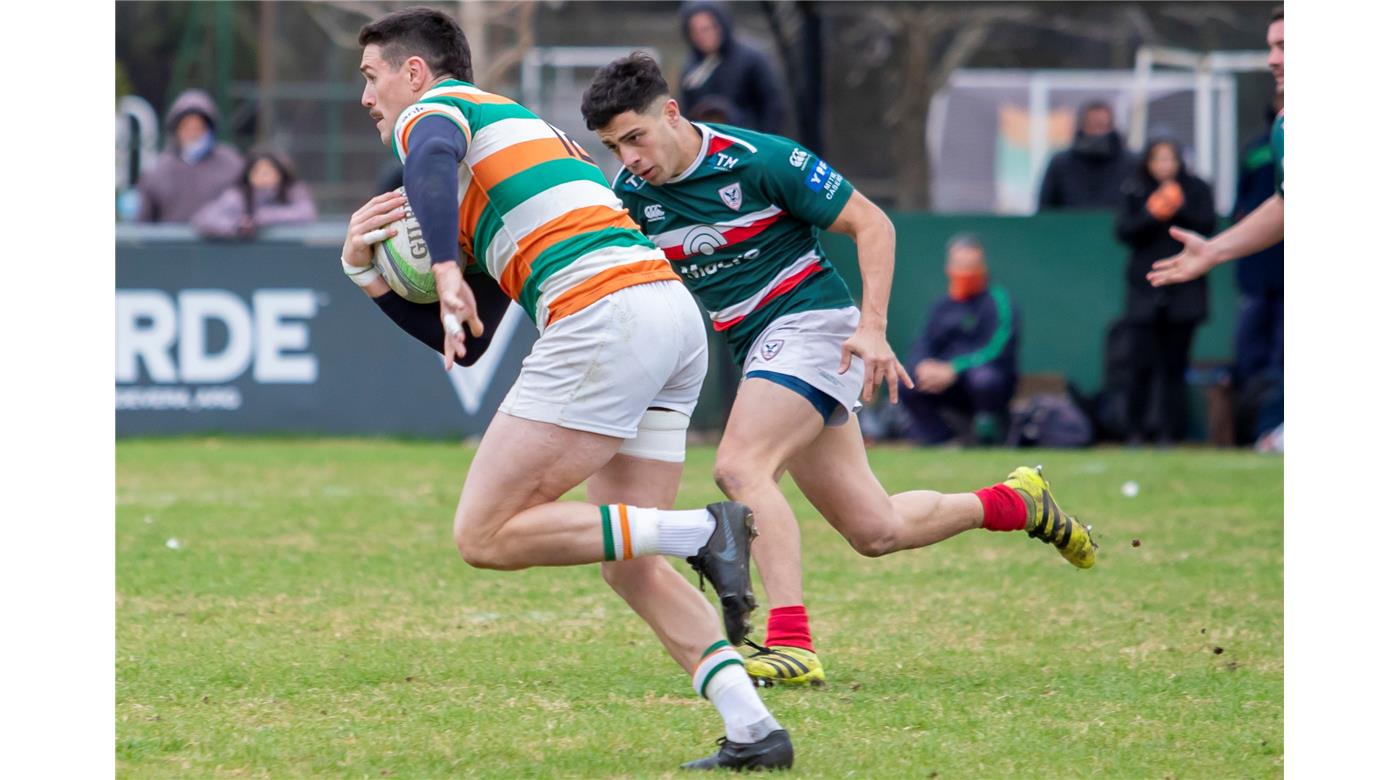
(312, 619)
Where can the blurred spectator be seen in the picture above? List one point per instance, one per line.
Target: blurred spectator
(964, 363)
(1259, 334)
(268, 193)
(194, 168)
(1161, 321)
(722, 66)
(1090, 173)
(713, 108)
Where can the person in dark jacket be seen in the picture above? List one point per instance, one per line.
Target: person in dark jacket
(1090, 173)
(194, 168)
(720, 65)
(267, 193)
(1161, 320)
(964, 363)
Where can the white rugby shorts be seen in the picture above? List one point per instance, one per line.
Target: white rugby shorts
(807, 345)
(601, 368)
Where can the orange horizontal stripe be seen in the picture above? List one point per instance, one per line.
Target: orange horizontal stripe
(566, 225)
(469, 213)
(585, 293)
(472, 97)
(517, 157)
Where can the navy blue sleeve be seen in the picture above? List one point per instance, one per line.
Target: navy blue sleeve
(421, 320)
(430, 181)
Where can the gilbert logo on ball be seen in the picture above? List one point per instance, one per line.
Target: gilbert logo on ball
(403, 259)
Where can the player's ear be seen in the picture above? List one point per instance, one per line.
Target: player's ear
(418, 75)
(671, 112)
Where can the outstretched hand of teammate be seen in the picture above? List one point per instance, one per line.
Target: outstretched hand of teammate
(1194, 260)
(458, 307)
(881, 364)
(379, 212)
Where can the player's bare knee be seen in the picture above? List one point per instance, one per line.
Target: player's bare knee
(735, 475)
(478, 550)
(873, 541)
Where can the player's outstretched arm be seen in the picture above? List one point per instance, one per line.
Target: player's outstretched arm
(1260, 230)
(873, 233)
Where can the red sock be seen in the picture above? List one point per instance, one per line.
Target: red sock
(787, 626)
(1002, 508)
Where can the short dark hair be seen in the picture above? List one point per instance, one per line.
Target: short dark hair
(631, 83)
(1277, 14)
(421, 32)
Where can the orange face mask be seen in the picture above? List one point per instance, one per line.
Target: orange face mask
(966, 284)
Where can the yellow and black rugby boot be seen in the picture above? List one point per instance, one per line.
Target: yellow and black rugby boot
(778, 665)
(724, 561)
(1047, 522)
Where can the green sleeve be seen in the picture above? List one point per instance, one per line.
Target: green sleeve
(1276, 142)
(804, 185)
(997, 343)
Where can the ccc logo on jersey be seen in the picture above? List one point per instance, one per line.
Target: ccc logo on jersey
(702, 240)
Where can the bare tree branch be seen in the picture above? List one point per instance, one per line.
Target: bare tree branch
(328, 16)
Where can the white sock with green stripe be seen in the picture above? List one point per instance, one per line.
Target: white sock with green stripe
(721, 678)
(630, 531)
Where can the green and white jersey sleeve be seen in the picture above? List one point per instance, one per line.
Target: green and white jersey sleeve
(804, 184)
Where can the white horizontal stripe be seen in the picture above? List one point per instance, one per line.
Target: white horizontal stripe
(585, 268)
(464, 182)
(540, 208)
(745, 307)
(506, 133)
(450, 88)
(499, 253)
(674, 236)
(556, 201)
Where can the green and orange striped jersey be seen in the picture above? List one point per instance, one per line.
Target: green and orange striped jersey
(740, 226)
(533, 209)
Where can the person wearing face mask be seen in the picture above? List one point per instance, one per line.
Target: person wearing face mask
(268, 193)
(1090, 173)
(1161, 320)
(964, 363)
(194, 168)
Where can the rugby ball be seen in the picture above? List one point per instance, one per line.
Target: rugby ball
(403, 261)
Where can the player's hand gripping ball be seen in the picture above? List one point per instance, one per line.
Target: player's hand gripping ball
(403, 260)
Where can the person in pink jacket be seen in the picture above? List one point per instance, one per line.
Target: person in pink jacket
(267, 193)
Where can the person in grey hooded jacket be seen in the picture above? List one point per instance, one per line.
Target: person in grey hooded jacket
(194, 168)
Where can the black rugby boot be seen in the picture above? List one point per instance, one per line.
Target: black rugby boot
(724, 561)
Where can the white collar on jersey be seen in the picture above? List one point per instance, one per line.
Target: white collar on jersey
(705, 135)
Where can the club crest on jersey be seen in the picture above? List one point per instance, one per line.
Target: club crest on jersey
(771, 348)
(732, 196)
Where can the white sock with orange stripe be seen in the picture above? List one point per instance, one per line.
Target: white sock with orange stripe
(721, 678)
(630, 531)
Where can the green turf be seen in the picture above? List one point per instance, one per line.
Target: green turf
(315, 621)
